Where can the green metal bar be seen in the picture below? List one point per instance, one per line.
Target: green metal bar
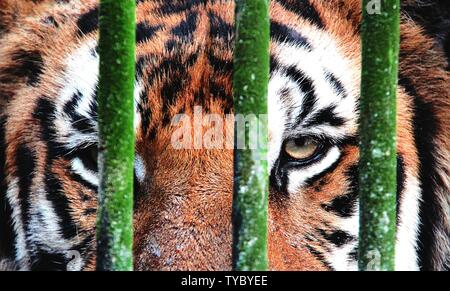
(250, 83)
(380, 35)
(116, 148)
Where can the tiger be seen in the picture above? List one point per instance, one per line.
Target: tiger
(183, 197)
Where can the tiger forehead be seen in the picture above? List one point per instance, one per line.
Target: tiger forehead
(184, 50)
(184, 53)
(184, 58)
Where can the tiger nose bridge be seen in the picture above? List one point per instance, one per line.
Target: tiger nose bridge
(194, 230)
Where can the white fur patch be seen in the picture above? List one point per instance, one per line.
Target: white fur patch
(22, 255)
(88, 175)
(139, 168)
(408, 228)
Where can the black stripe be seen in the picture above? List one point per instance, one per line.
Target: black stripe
(88, 22)
(220, 65)
(279, 178)
(172, 45)
(137, 193)
(93, 106)
(337, 84)
(353, 255)
(304, 9)
(26, 165)
(152, 133)
(220, 29)
(84, 196)
(305, 84)
(190, 61)
(312, 238)
(174, 6)
(28, 64)
(170, 92)
(185, 30)
(45, 113)
(283, 33)
(431, 213)
(218, 93)
(90, 211)
(168, 65)
(344, 206)
(60, 203)
(45, 261)
(274, 64)
(77, 178)
(141, 63)
(71, 105)
(146, 116)
(177, 71)
(325, 116)
(88, 157)
(400, 183)
(337, 237)
(79, 122)
(145, 32)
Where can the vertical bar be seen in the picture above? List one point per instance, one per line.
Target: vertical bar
(116, 148)
(250, 83)
(380, 33)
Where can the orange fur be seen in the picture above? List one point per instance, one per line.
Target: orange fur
(183, 222)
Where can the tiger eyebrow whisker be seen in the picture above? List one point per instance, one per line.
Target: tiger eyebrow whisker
(84, 145)
(81, 120)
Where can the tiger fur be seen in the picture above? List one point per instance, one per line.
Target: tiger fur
(182, 220)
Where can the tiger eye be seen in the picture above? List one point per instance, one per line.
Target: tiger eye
(301, 149)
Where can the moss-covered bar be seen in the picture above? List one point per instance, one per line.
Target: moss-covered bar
(380, 35)
(116, 147)
(250, 83)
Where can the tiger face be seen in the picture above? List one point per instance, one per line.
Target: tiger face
(183, 197)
